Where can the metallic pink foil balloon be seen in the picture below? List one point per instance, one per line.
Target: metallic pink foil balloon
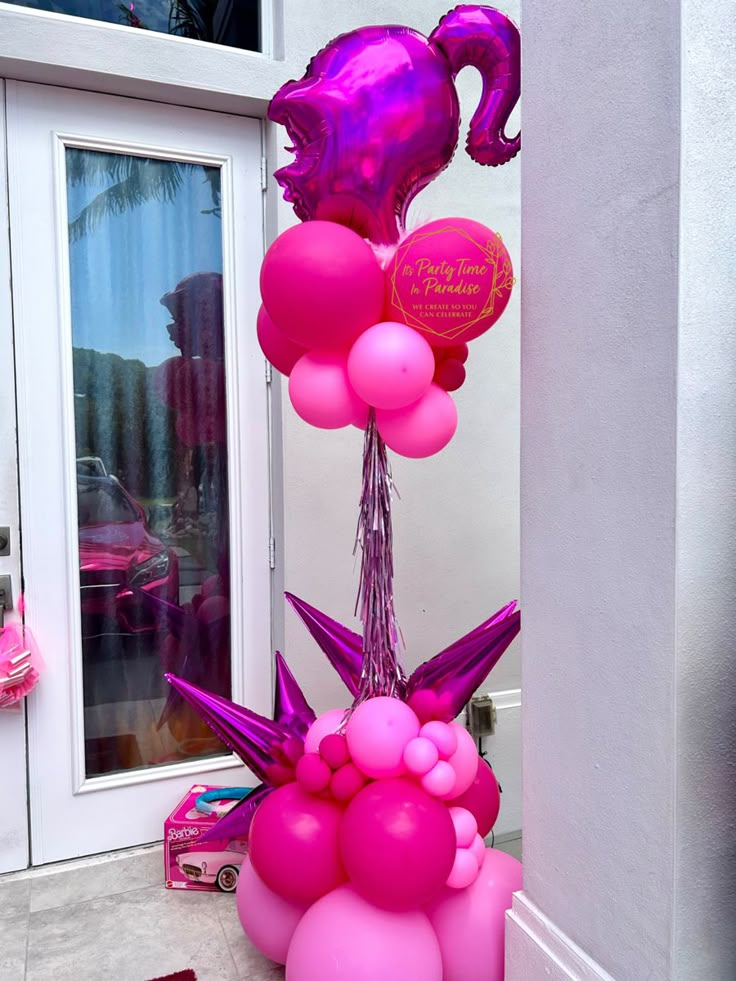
(343, 647)
(456, 672)
(291, 708)
(375, 117)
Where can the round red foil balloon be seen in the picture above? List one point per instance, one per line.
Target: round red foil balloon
(451, 280)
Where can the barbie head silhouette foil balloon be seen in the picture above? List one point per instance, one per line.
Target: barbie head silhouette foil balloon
(376, 117)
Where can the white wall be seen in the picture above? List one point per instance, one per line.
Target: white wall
(457, 523)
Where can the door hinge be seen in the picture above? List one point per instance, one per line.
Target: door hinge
(264, 174)
(269, 373)
(271, 553)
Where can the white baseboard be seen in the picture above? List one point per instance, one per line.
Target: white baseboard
(537, 950)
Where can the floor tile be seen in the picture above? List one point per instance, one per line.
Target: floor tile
(512, 847)
(119, 875)
(251, 965)
(133, 936)
(13, 936)
(14, 898)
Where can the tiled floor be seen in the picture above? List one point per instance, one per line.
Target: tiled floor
(110, 919)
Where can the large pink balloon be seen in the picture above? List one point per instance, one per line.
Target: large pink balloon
(294, 844)
(322, 285)
(268, 919)
(378, 732)
(421, 429)
(345, 938)
(278, 347)
(321, 392)
(482, 798)
(397, 843)
(470, 922)
(451, 280)
(375, 117)
(390, 365)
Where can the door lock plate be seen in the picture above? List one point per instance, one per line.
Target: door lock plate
(4, 541)
(6, 594)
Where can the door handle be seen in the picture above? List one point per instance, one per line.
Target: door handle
(4, 541)
(6, 598)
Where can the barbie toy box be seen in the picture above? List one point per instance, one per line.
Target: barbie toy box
(209, 866)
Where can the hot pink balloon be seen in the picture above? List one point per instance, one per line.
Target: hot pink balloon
(390, 365)
(470, 923)
(450, 375)
(294, 844)
(450, 279)
(322, 285)
(345, 938)
(377, 733)
(324, 725)
(376, 117)
(397, 844)
(320, 390)
(268, 919)
(278, 347)
(421, 429)
(482, 798)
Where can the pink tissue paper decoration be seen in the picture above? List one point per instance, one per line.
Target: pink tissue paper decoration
(20, 664)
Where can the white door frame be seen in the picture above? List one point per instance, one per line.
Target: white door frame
(41, 122)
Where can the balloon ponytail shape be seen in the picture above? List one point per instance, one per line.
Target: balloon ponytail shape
(486, 39)
(375, 117)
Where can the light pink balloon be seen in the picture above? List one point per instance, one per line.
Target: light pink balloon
(478, 849)
(343, 937)
(322, 285)
(378, 733)
(470, 922)
(323, 725)
(421, 429)
(279, 349)
(442, 735)
(420, 756)
(390, 365)
(321, 392)
(440, 781)
(466, 827)
(464, 760)
(464, 870)
(268, 919)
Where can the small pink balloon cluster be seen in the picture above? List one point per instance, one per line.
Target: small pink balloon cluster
(371, 863)
(332, 320)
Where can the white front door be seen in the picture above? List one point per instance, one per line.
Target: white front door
(136, 238)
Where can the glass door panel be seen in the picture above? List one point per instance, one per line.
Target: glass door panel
(145, 264)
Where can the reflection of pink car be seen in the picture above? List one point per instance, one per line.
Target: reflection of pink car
(220, 867)
(117, 551)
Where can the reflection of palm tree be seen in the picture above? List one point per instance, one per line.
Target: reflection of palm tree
(133, 181)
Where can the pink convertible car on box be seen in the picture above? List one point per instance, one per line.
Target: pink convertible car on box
(117, 551)
(219, 868)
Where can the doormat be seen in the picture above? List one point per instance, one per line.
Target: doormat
(178, 976)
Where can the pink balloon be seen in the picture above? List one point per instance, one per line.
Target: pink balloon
(333, 749)
(313, 773)
(464, 870)
(442, 735)
(465, 826)
(346, 782)
(390, 365)
(324, 725)
(482, 798)
(280, 350)
(464, 760)
(345, 938)
(377, 734)
(478, 849)
(294, 844)
(470, 923)
(322, 285)
(450, 279)
(450, 375)
(440, 781)
(421, 429)
(397, 844)
(420, 756)
(375, 117)
(320, 391)
(268, 919)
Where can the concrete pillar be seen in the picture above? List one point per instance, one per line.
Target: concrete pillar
(628, 504)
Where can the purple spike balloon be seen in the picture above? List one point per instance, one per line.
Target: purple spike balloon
(291, 708)
(236, 823)
(343, 647)
(455, 673)
(252, 736)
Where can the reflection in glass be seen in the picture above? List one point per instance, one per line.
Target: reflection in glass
(235, 23)
(149, 398)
